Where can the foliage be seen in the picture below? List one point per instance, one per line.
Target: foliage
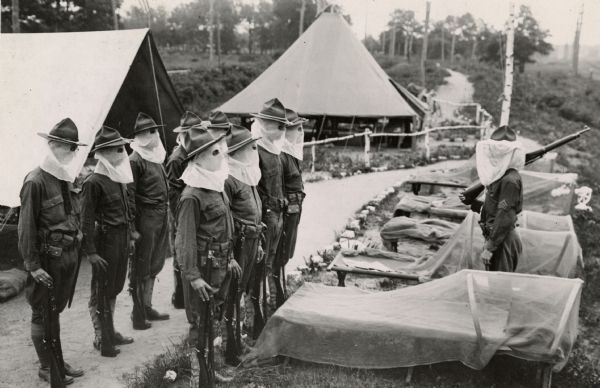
(61, 16)
(529, 40)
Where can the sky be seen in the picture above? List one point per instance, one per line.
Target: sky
(371, 16)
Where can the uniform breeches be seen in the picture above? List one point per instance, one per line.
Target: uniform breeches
(245, 253)
(506, 257)
(153, 246)
(62, 270)
(113, 246)
(287, 242)
(274, 222)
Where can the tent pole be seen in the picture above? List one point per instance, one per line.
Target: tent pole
(322, 124)
(156, 90)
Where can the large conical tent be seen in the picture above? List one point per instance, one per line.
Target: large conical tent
(94, 78)
(326, 72)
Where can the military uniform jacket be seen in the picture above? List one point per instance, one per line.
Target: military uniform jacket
(244, 201)
(47, 205)
(292, 174)
(176, 164)
(104, 202)
(270, 186)
(149, 186)
(202, 215)
(503, 201)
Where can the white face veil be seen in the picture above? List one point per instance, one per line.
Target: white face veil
(114, 165)
(149, 146)
(244, 165)
(273, 146)
(58, 162)
(495, 157)
(294, 141)
(201, 172)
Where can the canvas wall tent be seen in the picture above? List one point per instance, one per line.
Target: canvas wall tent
(327, 72)
(94, 78)
(469, 317)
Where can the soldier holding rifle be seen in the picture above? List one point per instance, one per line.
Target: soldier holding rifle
(105, 220)
(499, 160)
(240, 187)
(203, 241)
(49, 239)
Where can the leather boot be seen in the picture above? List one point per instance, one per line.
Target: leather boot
(138, 315)
(119, 338)
(44, 374)
(177, 298)
(73, 372)
(151, 313)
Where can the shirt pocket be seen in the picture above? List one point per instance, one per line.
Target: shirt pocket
(111, 200)
(214, 212)
(53, 210)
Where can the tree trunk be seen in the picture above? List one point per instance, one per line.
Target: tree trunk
(576, 41)
(410, 46)
(474, 49)
(508, 74)
(425, 41)
(16, 26)
(443, 56)
(113, 4)
(383, 41)
(211, 28)
(219, 37)
(452, 46)
(301, 23)
(406, 45)
(393, 42)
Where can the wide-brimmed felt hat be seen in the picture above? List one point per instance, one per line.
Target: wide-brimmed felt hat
(188, 120)
(143, 122)
(272, 110)
(219, 120)
(240, 136)
(293, 118)
(65, 131)
(109, 137)
(504, 133)
(198, 139)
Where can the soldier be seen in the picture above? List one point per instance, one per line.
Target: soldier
(269, 126)
(291, 159)
(49, 238)
(204, 240)
(498, 161)
(105, 221)
(148, 199)
(175, 166)
(240, 187)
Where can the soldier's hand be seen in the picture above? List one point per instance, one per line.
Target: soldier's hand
(42, 277)
(260, 254)
(462, 197)
(203, 289)
(486, 256)
(235, 268)
(97, 262)
(135, 235)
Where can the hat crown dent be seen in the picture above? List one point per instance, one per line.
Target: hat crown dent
(107, 137)
(273, 110)
(239, 136)
(144, 122)
(217, 117)
(190, 119)
(65, 129)
(504, 133)
(196, 140)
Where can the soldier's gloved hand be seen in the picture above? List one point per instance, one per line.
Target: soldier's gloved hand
(486, 256)
(203, 289)
(235, 268)
(135, 235)
(97, 262)
(42, 277)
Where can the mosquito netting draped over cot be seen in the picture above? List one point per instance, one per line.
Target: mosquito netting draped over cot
(468, 317)
(550, 247)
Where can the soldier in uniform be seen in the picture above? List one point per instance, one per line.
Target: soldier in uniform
(105, 221)
(240, 187)
(204, 240)
(49, 239)
(291, 159)
(175, 166)
(269, 125)
(148, 201)
(499, 160)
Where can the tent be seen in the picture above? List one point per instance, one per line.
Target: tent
(326, 72)
(469, 317)
(94, 78)
(550, 247)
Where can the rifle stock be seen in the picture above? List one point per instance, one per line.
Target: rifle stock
(51, 343)
(470, 194)
(205, 346)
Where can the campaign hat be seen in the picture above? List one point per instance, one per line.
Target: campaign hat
(109, 137)
(240, 136)
(272, 110)
(65, 131)
(144, 122)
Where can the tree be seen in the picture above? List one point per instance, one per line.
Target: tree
(286, 22)
(404, 21)
(372, 44)
(61, 15)
(259, 19)
(529, 40)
